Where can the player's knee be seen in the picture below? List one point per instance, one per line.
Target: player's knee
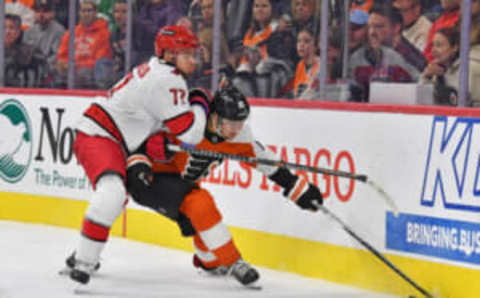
(200, 208)
(108, 200)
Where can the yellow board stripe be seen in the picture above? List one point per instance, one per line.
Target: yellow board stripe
(309, 258)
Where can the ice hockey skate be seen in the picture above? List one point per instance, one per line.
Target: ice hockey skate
(242, 271)
(70, 265)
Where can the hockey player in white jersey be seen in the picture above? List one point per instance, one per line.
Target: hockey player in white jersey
(152, 98)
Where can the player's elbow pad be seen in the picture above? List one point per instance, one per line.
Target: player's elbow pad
(196, 131)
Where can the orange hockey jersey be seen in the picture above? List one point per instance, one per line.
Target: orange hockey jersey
(194, 168)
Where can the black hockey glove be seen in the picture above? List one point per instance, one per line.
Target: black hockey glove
(310, 198)
(198, 167)
(304, 194)
(139, 174)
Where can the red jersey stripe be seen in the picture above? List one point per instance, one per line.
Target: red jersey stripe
(102, 118)
(180, 124)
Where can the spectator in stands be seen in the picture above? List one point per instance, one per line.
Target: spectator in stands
(61, 8)
(357, 38)
(22, 8)
(444, 69)
(45, 37)
(153, 15)
(238, 14)
(432, 9)
(282, 7)
(334, 49)
(271, 77)
(416, 26)
(207, 12)
(105, 10)
(475, 23)
(385, 22)
(262, 26)
(377, 62)
(93, 55)
(305, 14)
(22, 68)
(202, 76)
(306, 83)
(118, 41)
(283, 45)
(334, 54)
(244, 78)
(185, 22)
(205, 18)
(357, 30)
(449, 18)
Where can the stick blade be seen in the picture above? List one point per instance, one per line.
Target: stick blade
(384, 195)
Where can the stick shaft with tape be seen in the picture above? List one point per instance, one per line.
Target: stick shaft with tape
(268, 162)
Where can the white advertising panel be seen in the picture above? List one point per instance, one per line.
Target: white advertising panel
(37, 136)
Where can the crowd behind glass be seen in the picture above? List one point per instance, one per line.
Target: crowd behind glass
(267, 48)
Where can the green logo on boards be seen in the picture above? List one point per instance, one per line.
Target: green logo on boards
(15, 141)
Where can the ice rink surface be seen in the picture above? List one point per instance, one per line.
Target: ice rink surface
(31, 256)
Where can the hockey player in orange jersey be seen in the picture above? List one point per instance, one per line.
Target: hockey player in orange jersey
(171, 186)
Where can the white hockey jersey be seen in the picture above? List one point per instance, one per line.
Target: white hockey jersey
(152, 98)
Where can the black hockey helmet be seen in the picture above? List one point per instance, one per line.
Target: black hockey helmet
(229, 103)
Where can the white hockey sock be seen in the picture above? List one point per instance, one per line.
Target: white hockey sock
(104, 208)
(107, 201)
(89, 250)
(215, 237)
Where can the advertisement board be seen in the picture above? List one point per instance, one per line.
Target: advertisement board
(39, 135)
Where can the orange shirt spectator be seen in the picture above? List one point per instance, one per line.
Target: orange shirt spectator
(91, 44)
(262, 26)
(93, 55)
(306, 83)
(306, 77)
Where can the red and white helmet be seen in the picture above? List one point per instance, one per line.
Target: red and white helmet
(174, 38)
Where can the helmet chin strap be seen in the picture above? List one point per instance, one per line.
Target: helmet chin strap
(216, 126)
(218, 129)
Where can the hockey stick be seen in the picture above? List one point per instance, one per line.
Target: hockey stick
(370, 248)
(268, 162)
(280, 163)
